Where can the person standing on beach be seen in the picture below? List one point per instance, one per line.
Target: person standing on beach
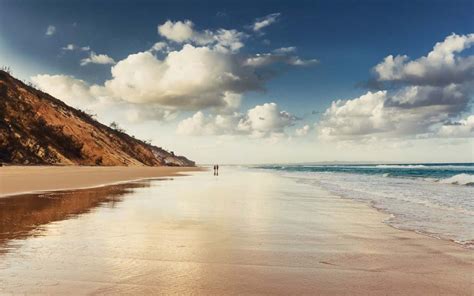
(217, 170)
(214, 170)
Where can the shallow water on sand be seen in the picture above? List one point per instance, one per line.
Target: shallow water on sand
(241, 232)
(434, 199)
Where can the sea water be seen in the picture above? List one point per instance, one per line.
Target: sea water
(435, 199)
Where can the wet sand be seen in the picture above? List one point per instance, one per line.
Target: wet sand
(26, 179)
(243, 232)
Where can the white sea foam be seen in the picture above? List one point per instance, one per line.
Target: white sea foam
(423, 167)
(393, 166)
(400, 166)
(459, 179)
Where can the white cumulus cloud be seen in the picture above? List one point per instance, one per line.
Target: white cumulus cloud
(177, 31)
(265, 120)
(94, 58)
(265, 21)
(442, 66)
(160, 46)
(72, 91)
(50, 30)
(199, 124)
(437, 88)
(139, 113)
(283, 50)
(191, 78)
(72, 47)
(411, 111)
(261, 60)
(184, 32)
(463, 128)
(303, 131)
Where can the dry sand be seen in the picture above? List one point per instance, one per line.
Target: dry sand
(26, 179)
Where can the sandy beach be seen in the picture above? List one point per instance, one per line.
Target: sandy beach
(27, 179)
(243, 232)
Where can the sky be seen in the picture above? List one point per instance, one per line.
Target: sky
(247, 82)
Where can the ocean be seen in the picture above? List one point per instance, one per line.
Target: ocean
(436, 199)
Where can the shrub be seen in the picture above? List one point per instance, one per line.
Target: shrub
(115, 126)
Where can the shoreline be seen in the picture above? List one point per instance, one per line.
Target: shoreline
(393, 217)
(388, 216)
(20, 180)
(468, 245)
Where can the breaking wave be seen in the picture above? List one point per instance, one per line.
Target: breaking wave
(459, 179)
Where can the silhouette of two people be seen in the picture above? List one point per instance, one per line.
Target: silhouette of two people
(216, 170)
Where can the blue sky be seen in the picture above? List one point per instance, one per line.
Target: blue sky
(348, 38)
